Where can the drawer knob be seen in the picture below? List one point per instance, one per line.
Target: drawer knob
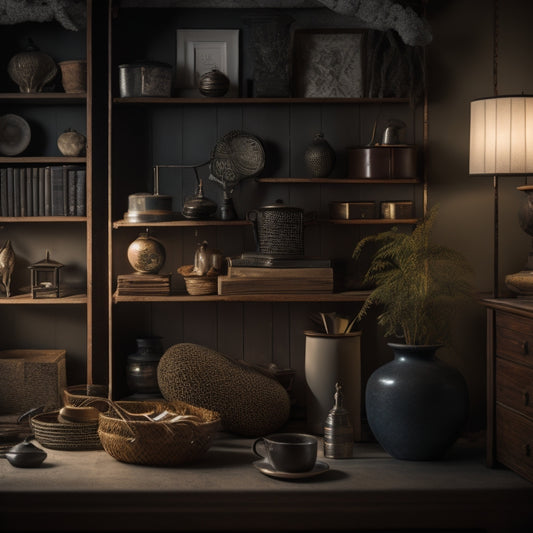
(526, 397)
(525, 348)
(527, 450)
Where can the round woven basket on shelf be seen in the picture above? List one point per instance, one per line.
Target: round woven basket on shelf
(56, 435)
(129, 434)
(199, 285)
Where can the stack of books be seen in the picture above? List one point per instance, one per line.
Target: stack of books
(254, 273)
(42, 191)
(143, 284)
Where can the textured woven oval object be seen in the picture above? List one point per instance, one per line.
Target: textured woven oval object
(250, 403)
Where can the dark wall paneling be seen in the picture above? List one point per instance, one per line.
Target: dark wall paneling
(47, 327)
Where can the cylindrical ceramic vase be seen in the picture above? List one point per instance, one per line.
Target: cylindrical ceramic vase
(331, 359)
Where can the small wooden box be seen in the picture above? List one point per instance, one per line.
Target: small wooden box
(31, 378)
(352, 210)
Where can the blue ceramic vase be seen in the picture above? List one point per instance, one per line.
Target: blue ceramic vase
(416, 404)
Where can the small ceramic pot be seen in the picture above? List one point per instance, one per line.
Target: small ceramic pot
(319, 157)
(146, 254)
(71, 143)
(74, 75)
(213, 83)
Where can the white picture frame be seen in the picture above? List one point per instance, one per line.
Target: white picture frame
(199, 51)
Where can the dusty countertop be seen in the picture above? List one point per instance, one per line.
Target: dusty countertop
(91, 491)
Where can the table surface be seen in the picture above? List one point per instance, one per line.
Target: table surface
(91, 491)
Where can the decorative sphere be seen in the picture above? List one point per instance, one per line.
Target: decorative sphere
(214, 83)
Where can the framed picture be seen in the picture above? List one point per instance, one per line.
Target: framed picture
(199, 51)
(328, 63)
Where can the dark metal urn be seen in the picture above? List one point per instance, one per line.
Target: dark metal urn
(141, 371)
(416, 404)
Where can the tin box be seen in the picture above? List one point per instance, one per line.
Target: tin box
(145, 79)
(397, 210)
(382, 162)
(352, 210)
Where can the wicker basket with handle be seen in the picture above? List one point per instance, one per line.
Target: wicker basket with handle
(131, 433)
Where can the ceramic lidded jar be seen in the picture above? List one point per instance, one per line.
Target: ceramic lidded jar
(319, 157)
(31, 69)
(141, 370)
(213, 83)
(146, 254)
(71, 143)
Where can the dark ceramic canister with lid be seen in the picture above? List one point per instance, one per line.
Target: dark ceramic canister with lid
(278, 229)
(141, 371)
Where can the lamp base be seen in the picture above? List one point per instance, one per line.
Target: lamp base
(520, 283)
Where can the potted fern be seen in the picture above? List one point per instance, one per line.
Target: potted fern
(416, 404)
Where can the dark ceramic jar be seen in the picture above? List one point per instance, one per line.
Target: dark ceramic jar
(416, 404)
(319, 157)
(214, 83)
(141, 372)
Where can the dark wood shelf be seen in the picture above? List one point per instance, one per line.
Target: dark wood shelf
(44, 160)
(27, 299)
(344, 181)
(44, 98)
(182, 223)
(225, 101)
(372, 221)
(348, 296)
(44, 219)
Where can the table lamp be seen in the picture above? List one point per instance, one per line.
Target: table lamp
(501, 144)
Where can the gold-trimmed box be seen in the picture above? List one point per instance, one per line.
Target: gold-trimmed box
(397, 210)
(31, 378)
(352, 210)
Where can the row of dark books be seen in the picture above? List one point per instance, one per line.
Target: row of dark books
(56, 190)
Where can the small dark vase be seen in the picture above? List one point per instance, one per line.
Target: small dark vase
(319, 157)
(141, 372)
(416, 404)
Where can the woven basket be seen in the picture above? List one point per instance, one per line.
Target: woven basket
(130, 437)
(199, 285)
(87, 394)
(63, 435)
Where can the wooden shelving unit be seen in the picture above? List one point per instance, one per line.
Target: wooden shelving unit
(49, 114)
(148, 131)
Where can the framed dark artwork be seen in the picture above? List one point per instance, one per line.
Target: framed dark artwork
(328, 63)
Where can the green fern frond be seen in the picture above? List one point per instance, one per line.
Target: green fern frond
(417, 283)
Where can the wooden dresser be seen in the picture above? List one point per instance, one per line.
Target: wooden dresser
(510, 384)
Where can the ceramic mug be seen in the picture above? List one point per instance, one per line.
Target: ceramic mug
(288, 452)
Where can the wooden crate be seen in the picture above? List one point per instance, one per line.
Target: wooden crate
(31, 378)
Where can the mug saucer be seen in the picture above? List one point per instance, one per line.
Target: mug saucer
(266, 468)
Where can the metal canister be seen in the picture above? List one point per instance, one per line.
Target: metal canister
(338, 430)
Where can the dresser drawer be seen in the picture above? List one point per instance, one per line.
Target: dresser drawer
(514, 441)
(514, 337)
(514, 386)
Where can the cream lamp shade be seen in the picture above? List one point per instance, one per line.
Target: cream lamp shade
(501, 135)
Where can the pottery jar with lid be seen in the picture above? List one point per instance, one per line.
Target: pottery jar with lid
(278, 229)
(31, 69)
(71, 143)
(213, 83)
(319, 157)
(145, 254)
(141, 370)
